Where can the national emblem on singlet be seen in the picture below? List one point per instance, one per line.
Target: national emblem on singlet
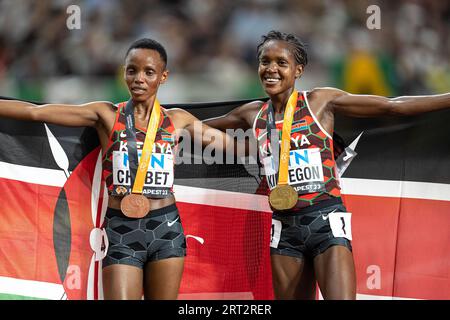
(311, 161)
(159, 178)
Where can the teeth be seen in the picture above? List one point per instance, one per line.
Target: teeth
(272, 80)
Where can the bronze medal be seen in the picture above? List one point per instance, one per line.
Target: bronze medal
(135, 206)
(283, 197)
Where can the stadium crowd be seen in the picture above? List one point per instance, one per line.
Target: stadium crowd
(213, 42)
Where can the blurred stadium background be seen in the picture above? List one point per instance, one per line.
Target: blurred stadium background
(211, 46)
(212, 57)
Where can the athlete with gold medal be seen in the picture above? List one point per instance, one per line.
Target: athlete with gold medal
(311, 228)
(283, 196)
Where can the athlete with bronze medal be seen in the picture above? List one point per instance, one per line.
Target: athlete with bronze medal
(138, 261)
(135, 204)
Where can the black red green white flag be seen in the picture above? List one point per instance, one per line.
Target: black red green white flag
(397, 188)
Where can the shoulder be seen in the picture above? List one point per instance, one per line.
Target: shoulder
(252, 106)
(249, 110)
(325, 92)
(106, 112)
(117, 106)
(177, 113)
(101, 106)
(180, 117)
(325, 97)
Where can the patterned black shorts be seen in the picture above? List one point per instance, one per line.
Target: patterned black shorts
(159, 235)
(307, 233)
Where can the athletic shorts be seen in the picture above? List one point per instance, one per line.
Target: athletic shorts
(308, 232)
(158, 235)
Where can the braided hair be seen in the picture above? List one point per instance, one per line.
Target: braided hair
(299, 48)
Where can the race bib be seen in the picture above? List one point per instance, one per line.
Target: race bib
(340, 223)
(158, 180)
(275, 233)
(305, 171)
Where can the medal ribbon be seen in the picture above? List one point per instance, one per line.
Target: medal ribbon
(285, 137)
(273, 137)
(138, 168)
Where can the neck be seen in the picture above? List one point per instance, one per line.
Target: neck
(280, 101)
(143, 109)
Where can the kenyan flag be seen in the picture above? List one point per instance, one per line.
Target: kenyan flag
(52, 206)
(397, 188)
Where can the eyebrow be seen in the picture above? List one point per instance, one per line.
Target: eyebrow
(147, 67)
(278, 58)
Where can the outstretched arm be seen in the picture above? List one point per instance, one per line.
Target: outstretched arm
(82, 115)
(372, 106)
(200, 132)
(239, 118)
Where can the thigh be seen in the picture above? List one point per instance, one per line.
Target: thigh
(292, 278)
(127, 245)
(122, 282)
(163, 278)
(335, 272)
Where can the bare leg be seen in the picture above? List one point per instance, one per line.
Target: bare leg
(163, 279)
(122, 282)
(293, 278)
(335, 272)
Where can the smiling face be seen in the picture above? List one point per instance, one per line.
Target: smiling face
(277, 68)
(144, 72)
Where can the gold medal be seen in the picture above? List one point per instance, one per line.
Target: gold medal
(135, 205)
(283, 197)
